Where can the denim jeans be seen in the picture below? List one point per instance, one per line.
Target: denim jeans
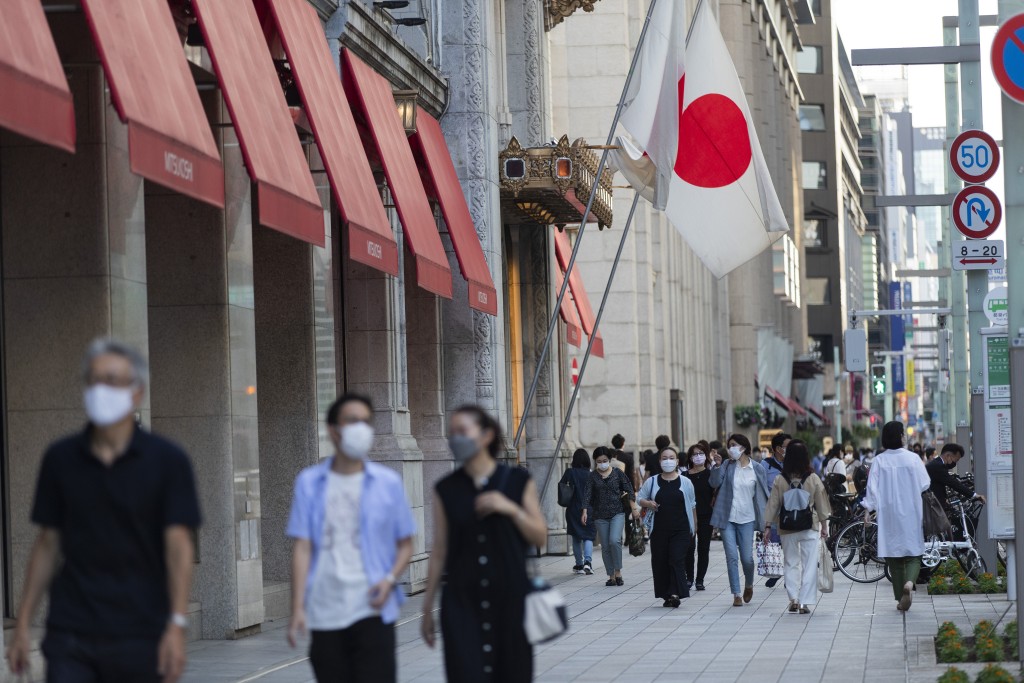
(738, 540)
(609, 531)
(582, 550)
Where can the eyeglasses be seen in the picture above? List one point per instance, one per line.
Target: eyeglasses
(117, 381)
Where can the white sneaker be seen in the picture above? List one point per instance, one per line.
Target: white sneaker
(587, 569)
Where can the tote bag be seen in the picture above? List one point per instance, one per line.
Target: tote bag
(770, 563)
(825, 578)
(934, 520)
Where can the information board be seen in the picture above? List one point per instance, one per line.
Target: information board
(997, 369)
(1000, 505)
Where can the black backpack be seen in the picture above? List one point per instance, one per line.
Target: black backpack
(796, 514)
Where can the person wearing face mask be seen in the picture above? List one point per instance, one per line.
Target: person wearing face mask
(671, 517)
(700, 476)
(939, 473)
(603, 498)
(116, 508)
(353, 529)
(582, 534)
(486, 516)
(739, 510)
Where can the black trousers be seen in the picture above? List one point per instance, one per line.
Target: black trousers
(75, 658)
(703, 548)
(668, 557)
(362, 653)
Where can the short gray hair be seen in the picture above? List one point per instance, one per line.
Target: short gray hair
(102, 346)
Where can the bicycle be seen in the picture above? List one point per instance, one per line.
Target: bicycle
(958, 542)
(856, 552)
(845, 509)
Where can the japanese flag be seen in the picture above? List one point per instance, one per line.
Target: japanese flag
(697, 153)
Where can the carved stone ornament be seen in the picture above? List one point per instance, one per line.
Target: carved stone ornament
(556, 11)
(563, 154)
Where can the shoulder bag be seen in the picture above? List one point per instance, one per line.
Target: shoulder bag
(566, 489)
(934, 519)
(544, 615)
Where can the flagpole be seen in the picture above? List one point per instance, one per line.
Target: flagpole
(583, 225)
(590, 342)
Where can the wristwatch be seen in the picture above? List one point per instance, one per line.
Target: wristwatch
(179, 620)
(390, 578)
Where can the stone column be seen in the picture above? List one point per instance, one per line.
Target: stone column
(74, 268)
(203, 348)
(375, 363)
(296, 376)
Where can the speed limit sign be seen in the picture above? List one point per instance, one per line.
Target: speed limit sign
(974, 156)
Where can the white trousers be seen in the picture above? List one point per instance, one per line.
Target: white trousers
(800, 550)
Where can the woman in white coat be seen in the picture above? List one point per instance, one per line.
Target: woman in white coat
(897, 480)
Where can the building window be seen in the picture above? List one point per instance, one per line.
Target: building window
(814, 232)
(818, 291)
(816, 7)
(808, 60)
(812, 117)
(815, 175)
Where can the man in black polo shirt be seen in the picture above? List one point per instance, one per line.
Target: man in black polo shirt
(942, 479)
(116, 507)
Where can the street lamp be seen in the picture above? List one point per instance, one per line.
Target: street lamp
(406, 102)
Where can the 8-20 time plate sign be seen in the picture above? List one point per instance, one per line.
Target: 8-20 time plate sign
(978, 254)
(974, 156)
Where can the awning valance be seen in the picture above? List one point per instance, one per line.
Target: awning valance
(35, 100)
(286, 196)
(169, 138)
(370, 237)
(371, 97)
(573, 334)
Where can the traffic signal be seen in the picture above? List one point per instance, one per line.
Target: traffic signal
(878, 381)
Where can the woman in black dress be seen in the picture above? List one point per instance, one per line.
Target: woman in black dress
(582, 534)
(669, 499)
(486, 515)
(700, 476)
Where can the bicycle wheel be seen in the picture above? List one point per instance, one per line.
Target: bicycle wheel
(844, 549)
(865, 566)
(971, 562)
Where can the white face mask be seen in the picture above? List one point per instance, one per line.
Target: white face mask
(698, 459)
(735, 452)
(356, 440)
(106, 405)
(603, 466)
(848, 459)
(669, 465)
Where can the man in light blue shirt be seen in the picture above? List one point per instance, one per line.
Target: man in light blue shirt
(353, 531)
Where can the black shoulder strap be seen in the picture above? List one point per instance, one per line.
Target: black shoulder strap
(772, 462)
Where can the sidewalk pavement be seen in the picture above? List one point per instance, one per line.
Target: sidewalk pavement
(854, 634)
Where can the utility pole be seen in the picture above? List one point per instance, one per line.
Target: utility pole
(952, 288)
(977, 288)
(1013, 179)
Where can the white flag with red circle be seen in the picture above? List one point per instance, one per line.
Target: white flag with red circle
(717, 192)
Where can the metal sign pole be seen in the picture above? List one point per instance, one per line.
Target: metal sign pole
(952, 289)
(1013, 178)
(553, 324)
(977, 288)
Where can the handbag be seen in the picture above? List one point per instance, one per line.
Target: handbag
(635, 537)
(934, 519)
(566, 490)
(770, 563)
(546, 616)
(825, 578)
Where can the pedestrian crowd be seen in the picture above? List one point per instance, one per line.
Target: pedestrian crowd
(117, 511)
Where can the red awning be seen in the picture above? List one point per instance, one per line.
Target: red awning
(789, 404)
(35, 100)
(563, 250)
(286, 196)
(169, 138)
(441, 179)
(572, 323)
(818, 414)
(370, 237)
(371, 95)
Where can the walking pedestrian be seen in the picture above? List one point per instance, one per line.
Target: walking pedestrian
(116, 508)
(352, 531)
(739, 510)
(700, 476)
(898, 478)
(799, 547)
(835, 471)
(486, 515)
(582, 534)
(772, 465)
(941, 479)
(671, 518)
(605, 497)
